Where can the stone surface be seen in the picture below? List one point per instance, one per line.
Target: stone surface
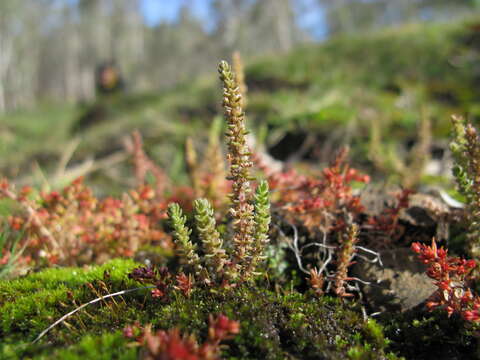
(399, 285)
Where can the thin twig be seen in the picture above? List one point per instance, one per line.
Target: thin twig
(377, 257)
(86, 304)
(33, 216)
(65, 158)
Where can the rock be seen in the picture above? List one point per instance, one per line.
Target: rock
(399, 285)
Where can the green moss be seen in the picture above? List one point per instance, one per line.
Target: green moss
(103, 347)
(374, 334)
(31, 303)
(273, 325)
(420, 335)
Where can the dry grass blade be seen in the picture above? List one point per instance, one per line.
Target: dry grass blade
(64, 317)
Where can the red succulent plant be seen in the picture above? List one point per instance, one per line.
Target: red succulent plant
(452, 276)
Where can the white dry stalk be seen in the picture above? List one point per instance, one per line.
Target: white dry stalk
(33, 216)
(328, 250)
(64, 317)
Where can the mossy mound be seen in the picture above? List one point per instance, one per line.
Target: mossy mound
(418, 334)
(273, 325)
(29, 304)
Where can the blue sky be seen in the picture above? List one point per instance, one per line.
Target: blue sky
(156, 11)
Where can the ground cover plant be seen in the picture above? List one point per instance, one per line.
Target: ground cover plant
(240, 255)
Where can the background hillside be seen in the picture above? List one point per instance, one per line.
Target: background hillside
(369, 91)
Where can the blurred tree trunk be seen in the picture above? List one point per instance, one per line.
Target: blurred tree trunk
(256, 27)
(128, 40)
(282, 16)
(19, 33)
(228, 17)
(7, 8)
(6, 52)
